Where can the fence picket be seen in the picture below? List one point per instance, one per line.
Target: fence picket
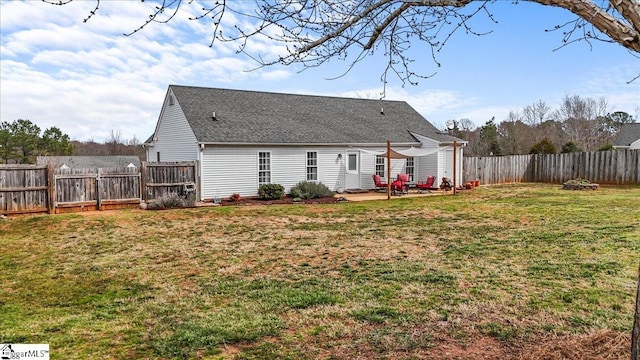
(31, 188)
(605, 167)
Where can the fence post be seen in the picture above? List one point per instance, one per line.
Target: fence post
(197, 179)
(98, 189)
(143, 181)
(51, 192)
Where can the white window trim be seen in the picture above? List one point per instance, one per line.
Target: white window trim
(382, 174)
(307, 166)
(412, 175)
(260, 170)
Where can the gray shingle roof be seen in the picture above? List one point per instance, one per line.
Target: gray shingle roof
(276, 118)
(628, 134)
(89, 162)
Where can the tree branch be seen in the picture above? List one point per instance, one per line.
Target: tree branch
(618, 31)
(316, 31)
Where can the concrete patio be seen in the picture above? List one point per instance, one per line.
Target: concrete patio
(377, 195)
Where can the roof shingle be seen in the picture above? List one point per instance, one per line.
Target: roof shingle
(628, 134)
(277, 118)
(89, 162)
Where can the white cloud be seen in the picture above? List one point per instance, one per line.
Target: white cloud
(89, 79)
(275, 75)
(435, 105)
(611, 83)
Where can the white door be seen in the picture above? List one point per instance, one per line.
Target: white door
(448, 164)
(352, 173)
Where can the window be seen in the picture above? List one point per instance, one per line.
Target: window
(380, 166)
(352, 162)
(312, 165)
(409, 168)
(264, 168)
(158, 156)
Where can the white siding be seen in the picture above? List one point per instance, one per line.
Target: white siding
(368, 167)
(174, 138)
(635, 145)
(227, 170)
(430, 165)
(436, 164)
(447, 167)
(426, 166)
(234, 169)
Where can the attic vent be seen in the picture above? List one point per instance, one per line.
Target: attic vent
(171, 100)
(213, 116)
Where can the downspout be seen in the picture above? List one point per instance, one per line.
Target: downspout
(199, 174)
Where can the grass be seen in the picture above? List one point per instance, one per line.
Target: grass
(397, 279)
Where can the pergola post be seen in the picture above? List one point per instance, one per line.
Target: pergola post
(388, 170)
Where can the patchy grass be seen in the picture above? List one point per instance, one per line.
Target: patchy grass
(491, 272)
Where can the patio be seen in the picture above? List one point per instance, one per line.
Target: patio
(378, 195)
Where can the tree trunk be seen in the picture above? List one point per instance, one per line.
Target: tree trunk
(635, 336)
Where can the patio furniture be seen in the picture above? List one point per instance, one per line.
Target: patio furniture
(427, 185)
(400, 184)
(380, 185)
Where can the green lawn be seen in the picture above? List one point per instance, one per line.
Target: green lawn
(509, 266)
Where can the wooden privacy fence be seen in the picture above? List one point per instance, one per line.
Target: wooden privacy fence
(32, 189)
(96, 189)
(169, 178)
(496, 169)
(603, 167)
(25, 189)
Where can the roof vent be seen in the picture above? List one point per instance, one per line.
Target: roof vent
(382, 111)
(213, 116)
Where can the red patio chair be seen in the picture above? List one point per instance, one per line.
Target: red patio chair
(427, 185)
(400, 184)
(380, 185)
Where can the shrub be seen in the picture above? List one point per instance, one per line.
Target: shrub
(172, 201)
(310, 190)
(545, 146)
(605, 147)
(270, 191)
(570, 147)
(235, 197)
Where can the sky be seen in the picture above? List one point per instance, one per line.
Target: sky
(91, 81)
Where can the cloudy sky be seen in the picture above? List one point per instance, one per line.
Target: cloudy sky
(89, 80)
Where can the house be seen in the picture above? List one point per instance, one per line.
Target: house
(243, 139)
(628, 137)
(89, 162)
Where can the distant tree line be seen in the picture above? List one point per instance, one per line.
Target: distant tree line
(115, 145)
(22, 141)
(579, 124)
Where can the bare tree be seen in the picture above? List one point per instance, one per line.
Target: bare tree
(536, 114)
(115, 143)
(516, 137)
(314, 31)
(582, 120)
